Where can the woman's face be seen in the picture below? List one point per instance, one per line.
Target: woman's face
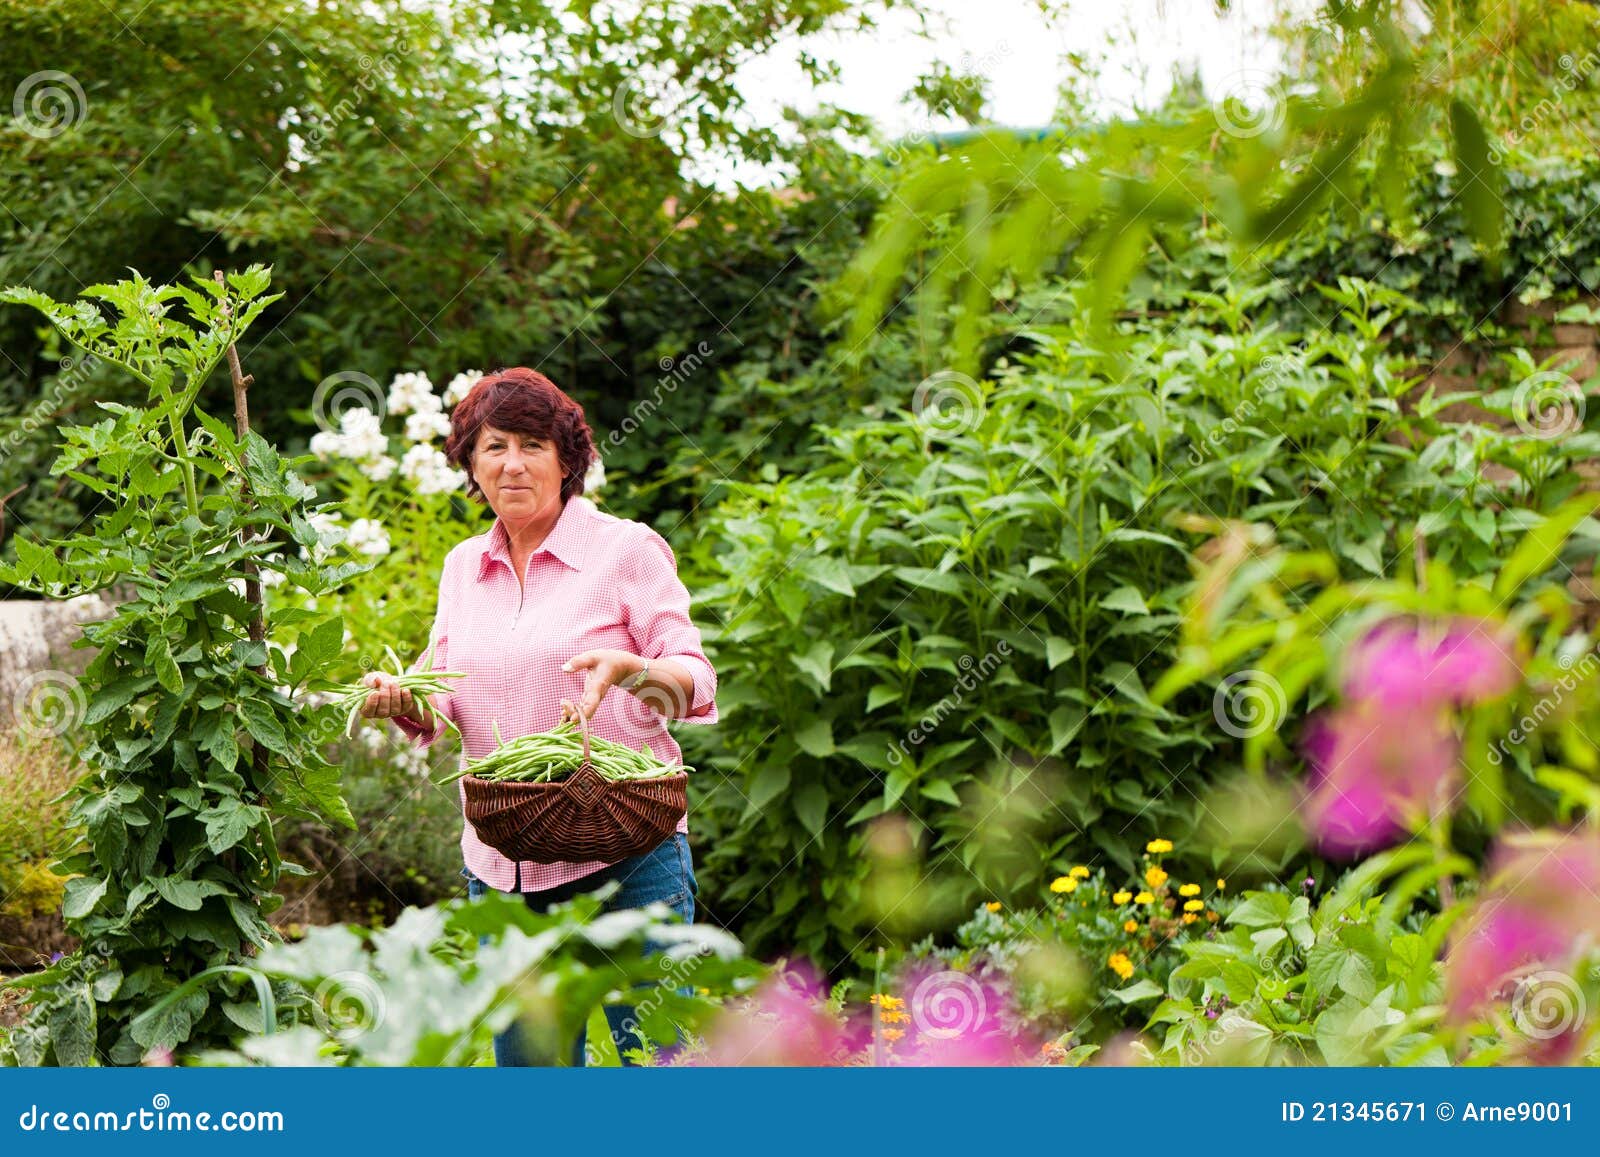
(519, 474)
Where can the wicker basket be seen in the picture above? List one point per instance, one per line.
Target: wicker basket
(583, 817)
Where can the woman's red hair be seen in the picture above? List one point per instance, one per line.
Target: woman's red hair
(522, 401)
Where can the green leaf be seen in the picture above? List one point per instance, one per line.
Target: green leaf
(1065, 723)
(167, 672)
(186, 894)
(80, 896)
(829, 572)
(881, 694)
(816, 738)
(1126, 599)
(817, 662)
(1542, 545)
(72, 1030)
(228, 823)
(1261, 910)
(1478, 176)
(770, 781)
(1058, 651)
(811, 807)
(1144, 989)
(262, 724)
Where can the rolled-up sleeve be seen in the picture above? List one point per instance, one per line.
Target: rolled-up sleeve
(439, 639)
(656, 605)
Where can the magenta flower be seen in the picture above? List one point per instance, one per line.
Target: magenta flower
(958, 1019)
(784, 1023)
(1374, 773)
(1532, 923)
(1403, 665)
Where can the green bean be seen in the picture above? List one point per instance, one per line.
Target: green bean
(551, 756)
(351, 697)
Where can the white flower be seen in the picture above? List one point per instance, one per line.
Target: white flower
(412, 392)
(429, 470)
(595, 477)
(426, 427)
(378, 469)
(459, 385)
(327, 444)
(367, 536)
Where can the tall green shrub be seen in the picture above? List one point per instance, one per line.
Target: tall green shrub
(190, 732)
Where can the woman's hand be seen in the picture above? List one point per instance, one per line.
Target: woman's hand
(604, 670)
(388, 699)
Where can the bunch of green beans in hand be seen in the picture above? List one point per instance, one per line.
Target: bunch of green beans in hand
(351, 697)
(555, 754)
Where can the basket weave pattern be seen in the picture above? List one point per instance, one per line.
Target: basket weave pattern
(583, 817)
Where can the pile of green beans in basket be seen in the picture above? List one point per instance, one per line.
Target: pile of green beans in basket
(551, 756)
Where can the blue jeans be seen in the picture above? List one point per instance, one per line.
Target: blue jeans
(665, 874)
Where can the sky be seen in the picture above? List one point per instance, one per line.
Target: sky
(1138, 43)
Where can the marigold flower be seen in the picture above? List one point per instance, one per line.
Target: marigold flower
(1189, 890)
(1155, 876)
(1120, 964)
(893, 1034)
(993, 905)
(1063, 884)
(1143, 898)
(1121, 897)
(1131, 926)
(1212, 916)
(1193, 905)
(1156, 847)
(1189, 917)
(1080, 872)
(1222, 884)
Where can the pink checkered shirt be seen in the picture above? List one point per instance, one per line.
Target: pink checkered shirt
(596, 581)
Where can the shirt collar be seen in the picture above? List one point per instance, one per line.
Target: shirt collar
(565, 541)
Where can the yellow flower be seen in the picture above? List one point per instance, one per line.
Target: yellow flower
(1189, 917)
(1222, 885)
(1120, 964)
(1143, 898)
(1063, 884)
(993, 905)
(1122, 897)
(1212, 916)
(1189, 890)
(1080, 872)
(893, 1034)
(1193, 905)
(1155, 876)
(886, 1002)
(1131, 926)
(1156, 847)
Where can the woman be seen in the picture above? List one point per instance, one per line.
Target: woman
(557, 609)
